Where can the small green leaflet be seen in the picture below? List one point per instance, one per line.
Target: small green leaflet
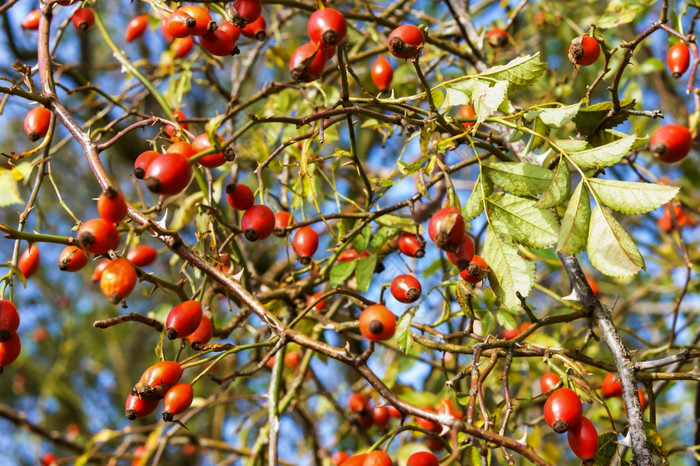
(403, 331)
(400, 223)
(457, 94)
(558, 117)
(520, 72)
(603, 156)
(487, 98)
(573, 232)
(364, 271)
(630, 197)
(523, 179)
(607, 446)
(341, 272)
(475, 204)
(9, 194)
(655, 443)
(571, 145)
(610, 249)
(559, 189)
(517, 217)
(506, 319)
(588, 118)
(508, 272)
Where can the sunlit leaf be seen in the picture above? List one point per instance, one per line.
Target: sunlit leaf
(559, 116)
(517, 217)
(610, 249)
(559, 189)
(603, 156)
(520, 178)
(508, 272)
(573, 232)
(631, 197)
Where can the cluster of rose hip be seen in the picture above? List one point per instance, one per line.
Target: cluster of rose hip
(10, 345)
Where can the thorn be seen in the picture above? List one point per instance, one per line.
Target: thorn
(573, 296)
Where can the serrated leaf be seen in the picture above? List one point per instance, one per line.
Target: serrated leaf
(588, 118)
(558, 117)
(517, 217)
(403, 331)
(630, 197)
(488, 323)
(364, 271)
(505, 319)
(475, 204)
(508, 272)
(619, 12)
(400, 223)
(361, 241)
(603, 156)
(524, 179)
(458, 94)
(559, 189)
(610, 249)
(573, 232)
(520, 72)
(9, 192)
(487, 97)
(572, 145)
(341, 272)
(606, 449)
(654, 439)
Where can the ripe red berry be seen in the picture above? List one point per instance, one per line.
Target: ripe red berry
(497, 37)
(178, 114)
(307, 63)
(305, 244)
(426, 424)
(143, 161)
(327, 26)
(142, 255)
(423, 458)
(406, 41)
(111, 205)
(282, 220)
(37, 122)
(467, 111)
(584, 50)
(256, 29)
(183, 319)
(377, 323)
(642, 398)
(9, 319)
(355, 460)
(202, 20)
(168, 174)
(292, 358)
(510, 333)
(136, 28)
(157, 379)
(406, 288)
(99, 269)
(382, 73)
(357, 402)
(183, 148)
(179, 24)
(411, 244)
(393, 412)
(202, 143)
(377, 458)
(245, 12)
(49, 459)
(177, 399)
(583, 439)
(257, 222)
(548, 381)
(562, 410)
(83, 19)
(204, 332)
(611, 386)
(10, 349)
(446, 228)
(347, 255)
(671, 143)
(239, 196)
(678, 59)
(28, 262)
(181, 48)
(475, 271)
(137, 407)
(339, 456)
(380, 415)
(464, 254)
(98, 236)
(233, 31)
(118, 280)
(31, 21)
(321, 305)
(219, 43)
(72, 259)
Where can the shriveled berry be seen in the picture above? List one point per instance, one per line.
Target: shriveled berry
(72, 259)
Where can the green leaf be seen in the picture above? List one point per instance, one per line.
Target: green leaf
(572, 145)
(341, 272)
(383, 236)
(610, 249)
(517, 217)
(487, 97)
(9, 193)
(438, 97)
(508, 272)
(606, 449)
(364, 271)
(558, 117)
(520, 72)
(603, 156)
(488, 323)
(188, 209)
(361, 241)
(403, 331)
(630, 197)
(475, 204)
(559, 189)
(619, 12)
(588, 118)
(573, 232)
(524, 179)
(458, 94)
(654, 439)
(505, 319)
(400, 223)
(415, 397)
